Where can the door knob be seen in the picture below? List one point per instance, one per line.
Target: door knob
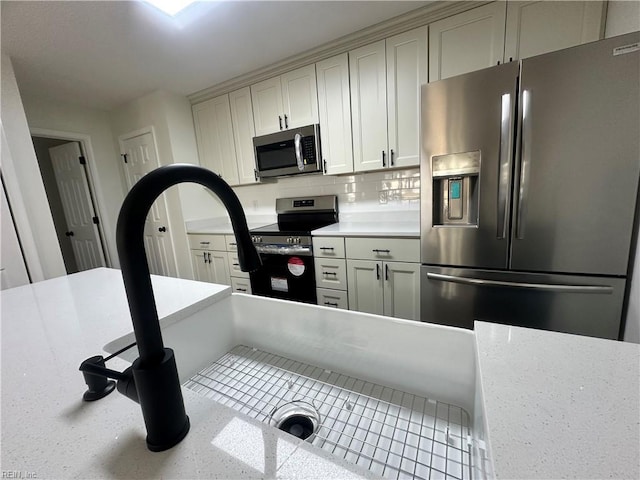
(162, 229)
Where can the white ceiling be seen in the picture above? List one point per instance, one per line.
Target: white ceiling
(105, 53)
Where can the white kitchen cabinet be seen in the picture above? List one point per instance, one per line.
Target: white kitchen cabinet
(285, 102)
(466, 42)
(368, 76)
(402, 290)
(211, 266)
(334, 112)
(385, 96)
(333, 298)
(538, 27)
(243, 133)
(383, 276)
(214, 136)
(407, 70)
(365, 286)
(241, 285)
(210, 258)
(384, 288)
(507, 31)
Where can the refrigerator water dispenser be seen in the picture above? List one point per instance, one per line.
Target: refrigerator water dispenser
(455, 188)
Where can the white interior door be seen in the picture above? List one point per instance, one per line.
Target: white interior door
(79, 213)
(13, 271)
(140, 159)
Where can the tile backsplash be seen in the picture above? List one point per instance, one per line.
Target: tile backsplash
(393, 190)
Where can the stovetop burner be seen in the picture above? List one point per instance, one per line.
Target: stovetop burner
(300, 215)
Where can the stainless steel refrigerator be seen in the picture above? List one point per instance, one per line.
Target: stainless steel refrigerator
(529, 188)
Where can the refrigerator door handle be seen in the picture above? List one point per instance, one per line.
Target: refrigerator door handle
(504, 172)
(603, 289)
(525, 164)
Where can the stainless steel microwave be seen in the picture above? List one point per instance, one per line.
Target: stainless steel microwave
(290, 152)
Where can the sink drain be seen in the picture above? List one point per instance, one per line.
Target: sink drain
(298, 418)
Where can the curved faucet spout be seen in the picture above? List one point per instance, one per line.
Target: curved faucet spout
(155, 373)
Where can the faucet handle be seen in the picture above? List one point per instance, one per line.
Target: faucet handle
(93, 369)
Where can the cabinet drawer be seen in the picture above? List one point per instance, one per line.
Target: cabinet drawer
(206, 242)
(389, 249)
(241, 285)
(230, 241)
(234, 266)
(332, 298)
(328, 247)
(331, 273)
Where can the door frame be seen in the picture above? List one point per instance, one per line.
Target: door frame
(95, 190)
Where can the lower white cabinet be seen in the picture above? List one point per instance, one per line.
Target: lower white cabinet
(211, 266)
(384, 288)
(333, 298)
(241, 285)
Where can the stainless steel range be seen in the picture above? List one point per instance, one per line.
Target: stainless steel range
(286, 250)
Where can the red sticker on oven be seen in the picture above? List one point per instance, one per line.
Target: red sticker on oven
(296, 266)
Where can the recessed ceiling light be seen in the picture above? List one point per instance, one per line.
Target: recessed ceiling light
(170, 7)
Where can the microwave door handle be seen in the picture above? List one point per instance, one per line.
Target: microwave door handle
(297, 143)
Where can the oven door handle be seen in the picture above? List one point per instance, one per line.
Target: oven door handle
(277, 250)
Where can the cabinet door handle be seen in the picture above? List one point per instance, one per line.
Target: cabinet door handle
(255, 174)
(280, 121)
(209, 255)
(325, 165)
(204, 256)
(386, 272)
(331, 304)
(377, 271)
(391, 157)
(286, 121)
(377, 250)
(384, 162)
(69, 234)
(162, 229)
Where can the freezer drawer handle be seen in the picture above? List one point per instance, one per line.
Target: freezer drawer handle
(606, 289)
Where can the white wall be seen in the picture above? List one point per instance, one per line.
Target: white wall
(74, 120)
(24, 186)
(624, 17)
(170, 117)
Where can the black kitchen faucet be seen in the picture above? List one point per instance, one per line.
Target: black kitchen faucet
(152, 380)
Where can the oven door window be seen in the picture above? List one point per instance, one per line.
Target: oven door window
(289, 277)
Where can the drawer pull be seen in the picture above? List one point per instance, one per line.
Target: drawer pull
(233, 244)
(330, 273)
(331, 304)
(241, 289)
(236, 264)
(205, 243)
(377, 250)
(326, 248)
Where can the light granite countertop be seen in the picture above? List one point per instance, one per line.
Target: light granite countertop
(556, 405)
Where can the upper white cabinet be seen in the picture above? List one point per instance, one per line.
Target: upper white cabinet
(407, 67)
(284, 102)
(334, 110)
(385, 100)
(534, 28)
(468, 41)
(214, 136)
(506, 31)
(243, 133)
(368, 74)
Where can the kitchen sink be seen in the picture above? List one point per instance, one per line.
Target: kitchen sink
(396, 397)
(392, 433)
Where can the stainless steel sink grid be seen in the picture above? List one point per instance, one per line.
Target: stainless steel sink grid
(392, 433)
